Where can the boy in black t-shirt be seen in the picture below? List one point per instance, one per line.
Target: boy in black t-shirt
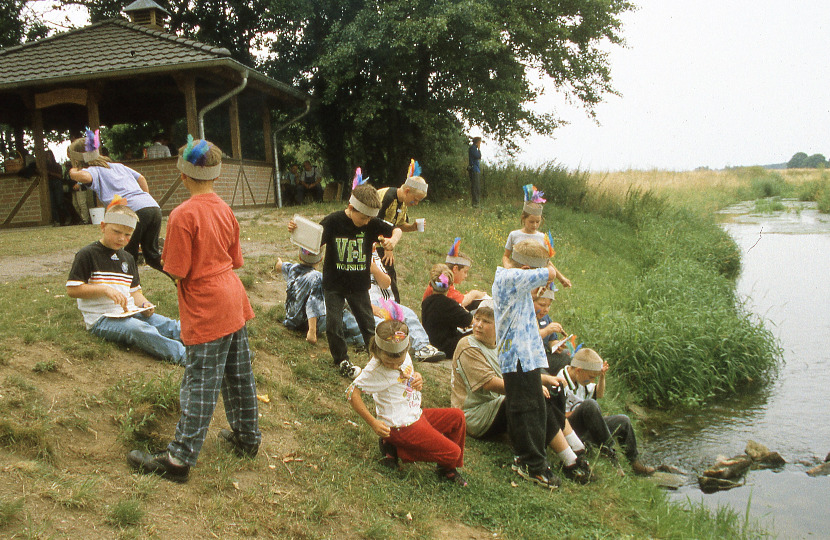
(349, 235)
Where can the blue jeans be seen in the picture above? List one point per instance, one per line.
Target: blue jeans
(156, 335)
(417, 335)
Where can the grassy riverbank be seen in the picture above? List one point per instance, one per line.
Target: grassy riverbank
(652, 293)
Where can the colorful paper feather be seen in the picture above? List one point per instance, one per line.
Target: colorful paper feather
(414, 169)
(358, 178)
(532, 194)
(391, 311)
(116, 200)
(549, 243)
(92, 140)
(196, 154)
(456, 245)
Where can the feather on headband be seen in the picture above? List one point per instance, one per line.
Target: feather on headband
(532, 194)
(549, 244)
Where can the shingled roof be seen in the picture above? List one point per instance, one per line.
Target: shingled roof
(114, 48)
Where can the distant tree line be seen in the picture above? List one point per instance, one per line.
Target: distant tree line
(802, 161)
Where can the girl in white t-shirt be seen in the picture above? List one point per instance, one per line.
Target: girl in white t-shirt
(531, 221)
(406, 431)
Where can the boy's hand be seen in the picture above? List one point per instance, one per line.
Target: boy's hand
(291, 225)
(604, 367)
(150, 311)
(381, 429)
(417, 381)
(565, 282)
(116, 297)
(278, 266)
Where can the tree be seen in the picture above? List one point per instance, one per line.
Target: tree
(797, 161)
(393, 78)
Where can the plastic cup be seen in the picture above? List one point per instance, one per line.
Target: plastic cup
(420, 224)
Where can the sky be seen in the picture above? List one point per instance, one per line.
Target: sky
(703, 83)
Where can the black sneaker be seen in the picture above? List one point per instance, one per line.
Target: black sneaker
(545, 478)
(241, 449)
(159, 464)
(577, 474)
(452, 475)
(347, 369)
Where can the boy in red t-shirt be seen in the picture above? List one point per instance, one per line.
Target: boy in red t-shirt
(201, 251)
(459, 264)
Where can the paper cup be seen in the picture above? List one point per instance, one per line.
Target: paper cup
(420, 223)
(96, 215)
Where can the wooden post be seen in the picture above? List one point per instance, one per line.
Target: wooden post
(40, 158)
(266, 132)
(187, 85)
(233, 112)
(93, 118)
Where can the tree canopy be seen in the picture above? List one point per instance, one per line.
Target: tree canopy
(801, 160)
(400, 79)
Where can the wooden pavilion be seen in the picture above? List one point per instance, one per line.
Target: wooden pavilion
(136, 72)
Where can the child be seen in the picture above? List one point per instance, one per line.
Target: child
(441, 316)
(522, 358)
(459, 263)
(435, 435)
(305, 308)
(104, 279)
(201, 252)
(585, 414)
(531, 220)
(393, 208)
(349, 236)
(108, 179)
(542, 299)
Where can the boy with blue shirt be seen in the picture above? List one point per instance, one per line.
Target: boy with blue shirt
(522, 357)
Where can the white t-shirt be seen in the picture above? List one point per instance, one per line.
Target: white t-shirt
(519, 235)
(575, 393)
(397, 404)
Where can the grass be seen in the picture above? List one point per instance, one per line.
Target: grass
(650, 270)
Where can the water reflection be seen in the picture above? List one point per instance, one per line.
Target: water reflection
(785, 279)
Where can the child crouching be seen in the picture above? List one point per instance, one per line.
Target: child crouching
(435, 435)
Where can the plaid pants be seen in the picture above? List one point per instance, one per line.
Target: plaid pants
(221, 365)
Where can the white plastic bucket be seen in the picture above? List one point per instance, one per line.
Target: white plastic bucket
(96, 215)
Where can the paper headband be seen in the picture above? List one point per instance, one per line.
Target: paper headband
(533, 262)
(362, 208)
(532, 208)
(587, 359)
(416, 182)
(396, 344)
(117, 218)
(309, 257)
(547, 293)
(453, 256)
(198, 173)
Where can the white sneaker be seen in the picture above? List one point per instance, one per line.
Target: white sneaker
(347, 369)
(429, 353)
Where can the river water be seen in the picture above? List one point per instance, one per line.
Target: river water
(785, 279)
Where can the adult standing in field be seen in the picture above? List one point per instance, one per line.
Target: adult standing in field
(474, 168)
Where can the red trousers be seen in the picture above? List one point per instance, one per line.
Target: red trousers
(438, 436)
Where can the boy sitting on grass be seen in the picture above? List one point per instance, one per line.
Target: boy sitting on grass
(104, 278)
(585, 379)
(305, 307)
